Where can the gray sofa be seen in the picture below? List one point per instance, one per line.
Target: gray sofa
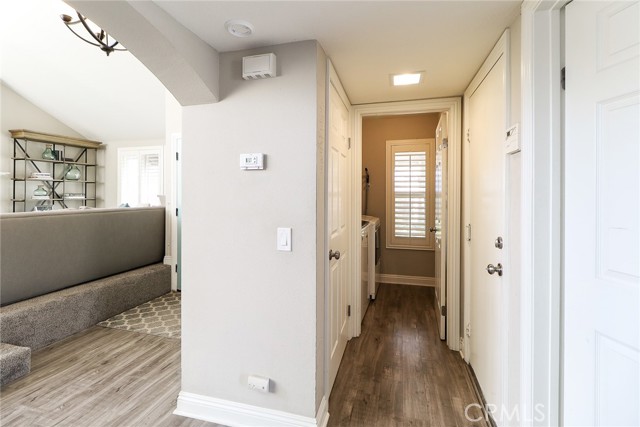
(62, 272)
(43, 252)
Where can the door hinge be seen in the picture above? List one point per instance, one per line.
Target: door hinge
(468, 227)
(177, 156)
(445, 143)
(349, 142)
(176, 211)
(563, 78)
(349, 311)
(443, 310)
(176, 268)
(467, 330)
(468, 135)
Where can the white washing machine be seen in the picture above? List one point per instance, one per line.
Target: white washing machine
(374, 254)
(366, 231)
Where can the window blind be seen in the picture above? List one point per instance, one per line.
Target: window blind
(410, 194)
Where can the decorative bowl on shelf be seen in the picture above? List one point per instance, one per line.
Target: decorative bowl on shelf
(48, 154)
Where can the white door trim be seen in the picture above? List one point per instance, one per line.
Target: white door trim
(454, 107)
(541, 142)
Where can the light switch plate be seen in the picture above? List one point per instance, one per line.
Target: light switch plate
(284, 239)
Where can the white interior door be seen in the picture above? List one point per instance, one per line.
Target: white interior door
(441, 213)
(602, 215)
(487, 106)
(338, 222)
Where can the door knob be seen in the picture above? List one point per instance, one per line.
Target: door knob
(494, 269)
(335, 254)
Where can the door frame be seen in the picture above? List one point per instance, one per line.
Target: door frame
(453, 106)
(542, 198)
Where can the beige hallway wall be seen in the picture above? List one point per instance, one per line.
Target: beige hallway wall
(375, 132)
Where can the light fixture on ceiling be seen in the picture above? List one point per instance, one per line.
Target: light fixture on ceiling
(239, 28)
(100, 38)
(406, 79)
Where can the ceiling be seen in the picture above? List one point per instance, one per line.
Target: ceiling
(117, 98)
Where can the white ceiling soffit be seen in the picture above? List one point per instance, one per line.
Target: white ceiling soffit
(366, 40)
(104, 98)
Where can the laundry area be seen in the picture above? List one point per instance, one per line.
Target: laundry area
(398, 203)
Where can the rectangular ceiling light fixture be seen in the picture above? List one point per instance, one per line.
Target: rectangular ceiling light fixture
(406, 79)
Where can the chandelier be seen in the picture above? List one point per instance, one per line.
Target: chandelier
(100, 38)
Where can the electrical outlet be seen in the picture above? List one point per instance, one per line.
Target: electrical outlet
(259, 383)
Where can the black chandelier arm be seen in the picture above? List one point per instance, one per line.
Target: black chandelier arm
(82, 38)
(84, 24)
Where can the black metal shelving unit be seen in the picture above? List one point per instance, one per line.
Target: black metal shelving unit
(28, 147)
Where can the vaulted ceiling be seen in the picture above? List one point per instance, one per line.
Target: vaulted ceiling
(116, 97)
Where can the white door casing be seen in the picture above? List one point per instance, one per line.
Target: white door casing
(441, 205)
(602, 215)
(487, 100)
(453, 108)
(339, 217)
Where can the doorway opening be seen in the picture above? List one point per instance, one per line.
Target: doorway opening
(375, 161)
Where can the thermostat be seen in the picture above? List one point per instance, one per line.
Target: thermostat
(253, 161)
(512, 140)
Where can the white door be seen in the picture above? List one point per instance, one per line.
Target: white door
(602, 215)
(441, 209)
(338, 222)
(486, 129)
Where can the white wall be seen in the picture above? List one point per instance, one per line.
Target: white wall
(17, 112)
(248, 309)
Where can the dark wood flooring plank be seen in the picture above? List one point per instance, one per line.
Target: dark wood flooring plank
(399, 372)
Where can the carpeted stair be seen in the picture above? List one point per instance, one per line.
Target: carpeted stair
(15, 362)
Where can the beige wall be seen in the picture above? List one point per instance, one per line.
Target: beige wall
(375, 132)
(247, 308)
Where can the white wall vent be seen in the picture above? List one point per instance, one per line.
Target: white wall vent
(259, 66)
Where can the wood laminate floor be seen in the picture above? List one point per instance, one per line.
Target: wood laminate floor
(99, 377)
(398, 372)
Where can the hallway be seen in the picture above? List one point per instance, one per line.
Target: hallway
(398, 372)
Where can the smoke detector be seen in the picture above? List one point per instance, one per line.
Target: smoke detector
(239, 28)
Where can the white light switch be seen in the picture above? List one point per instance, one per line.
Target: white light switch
(284, 239)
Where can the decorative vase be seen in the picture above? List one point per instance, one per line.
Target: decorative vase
(73, 174)
(48, 153)
(40, 191)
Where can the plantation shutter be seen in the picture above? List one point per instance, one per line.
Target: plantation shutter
(409, 194)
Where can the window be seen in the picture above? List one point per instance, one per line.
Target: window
(410, 194)
(139, 176)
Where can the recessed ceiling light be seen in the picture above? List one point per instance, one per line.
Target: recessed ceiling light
(406, 79)
(239, 28)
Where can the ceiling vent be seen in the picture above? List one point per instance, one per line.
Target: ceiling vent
(259, 66)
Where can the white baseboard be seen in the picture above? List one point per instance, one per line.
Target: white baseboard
(397, 279)
(233, 414)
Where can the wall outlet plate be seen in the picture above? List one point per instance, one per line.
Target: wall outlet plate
(259, 383)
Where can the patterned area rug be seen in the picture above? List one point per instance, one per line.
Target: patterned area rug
(160, 316)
